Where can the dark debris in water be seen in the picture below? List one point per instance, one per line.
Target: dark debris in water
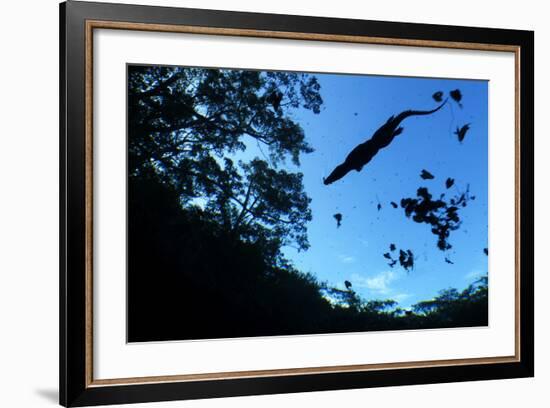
(457, 96)
(338, 218)
(405, 258)
(442, 216)
(426, 175)
(438, 96)
(460, 132)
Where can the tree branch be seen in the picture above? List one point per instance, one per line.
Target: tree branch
(244, 208)
(161, 86)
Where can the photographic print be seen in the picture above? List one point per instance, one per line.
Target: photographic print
(266, 203)
(256, 204)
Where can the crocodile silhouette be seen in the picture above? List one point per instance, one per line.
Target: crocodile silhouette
(363, 153)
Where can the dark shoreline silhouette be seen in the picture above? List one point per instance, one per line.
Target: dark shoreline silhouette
(190, 279)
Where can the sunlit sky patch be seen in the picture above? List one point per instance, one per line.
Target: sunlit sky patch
(354, 107)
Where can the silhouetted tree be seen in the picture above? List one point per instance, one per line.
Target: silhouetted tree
(452, 307)
(186, 123)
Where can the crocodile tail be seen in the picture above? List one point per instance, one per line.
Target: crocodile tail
(406, 114)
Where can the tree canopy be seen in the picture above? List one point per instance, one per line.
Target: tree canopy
(186, 123)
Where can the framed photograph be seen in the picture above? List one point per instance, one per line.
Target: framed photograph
(256, 204)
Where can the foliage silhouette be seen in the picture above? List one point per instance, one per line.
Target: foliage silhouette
(185, 123)
(452, 306)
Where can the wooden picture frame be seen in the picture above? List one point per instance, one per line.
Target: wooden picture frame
(79, 386)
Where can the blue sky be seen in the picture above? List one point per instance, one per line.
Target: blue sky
(354, 107)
